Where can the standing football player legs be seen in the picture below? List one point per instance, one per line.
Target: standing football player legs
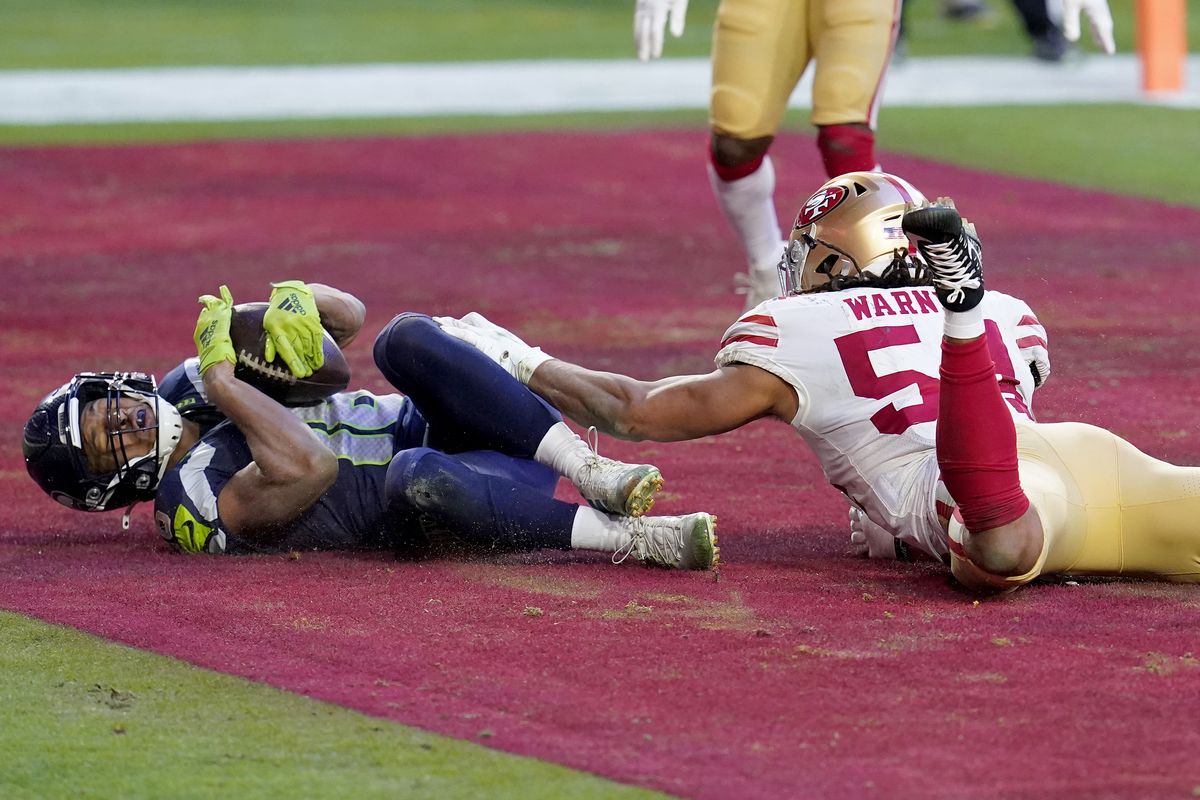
(761, 48)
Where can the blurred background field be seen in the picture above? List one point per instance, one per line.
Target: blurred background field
(1147, 150)
(75, 34)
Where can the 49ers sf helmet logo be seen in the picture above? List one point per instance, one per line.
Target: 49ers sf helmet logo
(820, 204)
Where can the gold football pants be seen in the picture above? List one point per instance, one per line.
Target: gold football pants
(762, 47)
(1106, 508)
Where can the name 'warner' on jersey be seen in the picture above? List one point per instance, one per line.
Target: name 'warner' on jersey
(864, 364)
(364, 431)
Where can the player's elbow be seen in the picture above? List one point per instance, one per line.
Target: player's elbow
(355, 316)
(317, 477)
(324, 469)
(264, 498)
(311, 472)
(342, 314)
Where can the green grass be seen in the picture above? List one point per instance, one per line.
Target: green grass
(119, 33)
(123, 33)
(85, 718)
(1135, 150)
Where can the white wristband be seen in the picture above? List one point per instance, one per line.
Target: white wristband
(530, 361)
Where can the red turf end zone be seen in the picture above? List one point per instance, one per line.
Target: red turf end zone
(802, 671)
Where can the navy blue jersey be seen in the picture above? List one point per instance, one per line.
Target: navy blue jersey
(362, 429)
(183, 388)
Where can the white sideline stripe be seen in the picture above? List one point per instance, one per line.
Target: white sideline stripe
(41, 97)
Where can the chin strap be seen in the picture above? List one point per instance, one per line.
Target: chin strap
(127, 515)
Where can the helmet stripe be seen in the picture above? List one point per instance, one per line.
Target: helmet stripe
(900, 186)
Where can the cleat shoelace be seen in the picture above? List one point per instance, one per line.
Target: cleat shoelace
(593, 464)
(613, 486)
(664, 551)
(592, 473)
(953, 266)
(623, 552)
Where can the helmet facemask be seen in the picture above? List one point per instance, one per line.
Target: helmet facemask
(54, 447)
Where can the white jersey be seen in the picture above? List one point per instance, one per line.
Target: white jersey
(864, 364)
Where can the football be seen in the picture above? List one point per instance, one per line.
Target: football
(273, 378)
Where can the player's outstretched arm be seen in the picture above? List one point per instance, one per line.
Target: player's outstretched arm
(672, 409)
(292, 468)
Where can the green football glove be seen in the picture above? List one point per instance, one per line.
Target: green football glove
(213, 343)
(293, 328)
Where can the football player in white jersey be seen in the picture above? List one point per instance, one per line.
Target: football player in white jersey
(914, 388)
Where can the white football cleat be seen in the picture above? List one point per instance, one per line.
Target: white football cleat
(687, 542)
(615, 487)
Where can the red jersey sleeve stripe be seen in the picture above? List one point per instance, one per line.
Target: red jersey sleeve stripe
(1030, 341)
(1029, 319)
(765, 341)
(760, 319)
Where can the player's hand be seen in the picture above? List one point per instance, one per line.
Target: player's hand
(868, 539)
(1099, 18)
(1039, 365)
(293, 327)
(499, 344)
(650, 22)
(213, 343)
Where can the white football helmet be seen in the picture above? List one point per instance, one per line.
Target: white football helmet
(849, 227)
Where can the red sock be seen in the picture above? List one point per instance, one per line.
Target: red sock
(736, 172)
(976, 439)
(846, 148)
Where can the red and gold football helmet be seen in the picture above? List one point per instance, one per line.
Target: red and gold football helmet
(849, 227)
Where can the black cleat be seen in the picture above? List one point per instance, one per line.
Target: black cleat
(1050, 46)
(951, 251)
(965, 9)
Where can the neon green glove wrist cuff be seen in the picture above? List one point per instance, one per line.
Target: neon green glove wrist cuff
(299, 286)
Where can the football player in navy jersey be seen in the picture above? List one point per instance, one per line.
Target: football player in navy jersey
(914, 388)
(466, 458)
